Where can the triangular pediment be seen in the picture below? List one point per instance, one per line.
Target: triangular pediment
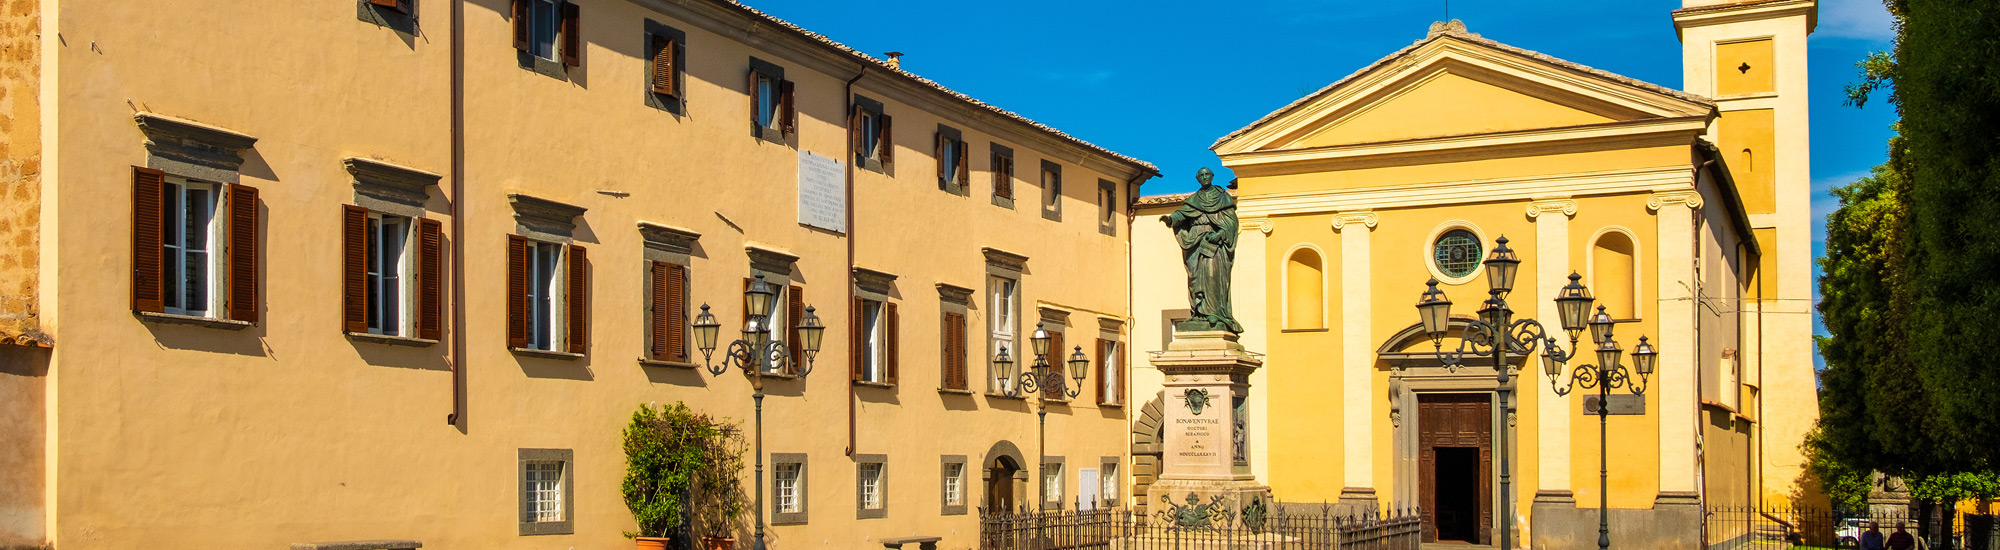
(1458, 84)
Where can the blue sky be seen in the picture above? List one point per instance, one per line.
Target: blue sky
(1161, 80)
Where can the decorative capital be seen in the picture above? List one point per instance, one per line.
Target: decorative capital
(1263, 225)
(1364, 217)
(1565, 206)
(1660, 200)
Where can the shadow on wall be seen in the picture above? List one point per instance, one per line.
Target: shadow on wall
(23, 381)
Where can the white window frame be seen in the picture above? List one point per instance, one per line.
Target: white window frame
(398, 309)
(785, 487)
(950, 160)
(774, 326)
(1052, 483)
(768, 90)
(1005, 295)
(874, 318)
(1108, 478)
(871, 133)
(954, 484)
(543, 490)
(871, 485)
(1108, 380)
(175, 241)
(548, 284)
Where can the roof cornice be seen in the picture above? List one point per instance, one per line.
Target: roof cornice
(1637, 133)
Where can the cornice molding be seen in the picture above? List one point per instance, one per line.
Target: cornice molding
(954, 294)
(873, 281)
(1566, 206)
(390, 182)
(768, 259)
(192, 149)
(544, 215)
(1665, 131)
(1701, 16)
(1662, 199)
(1005, 260)
(1365, 217)
(1262, 225)
(1521, 188)
(668, 238)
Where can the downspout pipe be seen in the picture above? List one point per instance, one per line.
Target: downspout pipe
(859, 71)
(456, 355)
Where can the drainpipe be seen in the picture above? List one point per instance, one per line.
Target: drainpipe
(859, 72)
(456, 357)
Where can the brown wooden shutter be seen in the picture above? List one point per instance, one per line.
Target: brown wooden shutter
(1124, 372)
(937, 152)
(657, 295)
(893, 349)
(391, 4)
(353, 268)
(572, 35)
(243, 253)
(788, 114)
(664, 50)
(517, 291)
(521, 25)
(756, 103)
(149, 286)
(964, 167)
(795, 311)
(954, 351)
(578, 299)
(1055, 358)
(885, 144)
(430, 279)
(1104, 394)
(858, 340)
(1003, 176)
(676, 318)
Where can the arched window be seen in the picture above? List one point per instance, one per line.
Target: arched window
(1613, 277)
(1305, 295)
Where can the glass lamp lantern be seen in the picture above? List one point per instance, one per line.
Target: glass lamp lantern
(1550, 363)
(705, 329)
(810, 331)
(1600, 326)
(1040, 340)
(1608, 354)
(1573, 305)
(1435, 310)
(1494, 310)
(1003, 369)
(1078, 366)
(1501, 266)
(758, 297)
(1643, 356)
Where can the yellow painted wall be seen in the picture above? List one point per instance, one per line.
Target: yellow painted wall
(1445, 104)
(1748, 146)
(1744, 67)
(1370, 173)
(182, 436)
(1305, 290)
(1634, 440)
(1303, 372)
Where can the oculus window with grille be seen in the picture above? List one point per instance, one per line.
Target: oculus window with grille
(1456, 253)
(543, 486)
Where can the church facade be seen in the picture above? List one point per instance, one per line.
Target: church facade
(1683, 211)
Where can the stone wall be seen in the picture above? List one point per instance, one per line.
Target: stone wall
(24, 357)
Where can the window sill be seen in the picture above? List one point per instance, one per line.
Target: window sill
(210, 322)
(1111, 405)
(994, 395)
(868, 384)
(1303, 330)
(876, 513)
(954, 391)
(546, 354)
(390, 340)
(644, 362)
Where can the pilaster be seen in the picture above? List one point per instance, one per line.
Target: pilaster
(1552, 269)
(1674, 375)
(1357, 359)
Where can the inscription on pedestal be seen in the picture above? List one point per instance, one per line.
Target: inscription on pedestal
(1199, 435)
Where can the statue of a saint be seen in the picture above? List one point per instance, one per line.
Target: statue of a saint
(1206, 229)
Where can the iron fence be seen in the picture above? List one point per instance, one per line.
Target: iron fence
(1738, 528)
(1273, 527)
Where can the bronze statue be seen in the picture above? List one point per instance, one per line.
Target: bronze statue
(1206, 229)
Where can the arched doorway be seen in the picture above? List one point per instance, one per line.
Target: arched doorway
(1004, 477)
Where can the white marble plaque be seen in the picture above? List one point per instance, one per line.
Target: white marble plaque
(822, 195)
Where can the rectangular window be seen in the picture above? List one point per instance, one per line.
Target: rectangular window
(871, 486)
(875, 341)
(871, 127)
(544, 303)
(1108, 206)
(1110, 373)
(1052, 484)
(549, 296)
(871, 341)
(549, 30)
(952, 345)
(387, 268)
(953, 172)
(666, 296)
(1108, 476)
(665, 78)
(545, 490)
(1051, 191)
(191, 237)
(954, 484)
(785, 487)
(1003, 175)
(772, 112)
(1004, 294)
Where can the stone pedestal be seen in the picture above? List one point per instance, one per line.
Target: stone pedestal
(1206, 452)
(1888, 496)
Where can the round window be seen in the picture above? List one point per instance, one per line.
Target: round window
(1456, 253)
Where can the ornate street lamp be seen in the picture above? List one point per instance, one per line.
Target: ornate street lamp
(1042, 380)
(1605, 376)
(1496, 334)
(753, 353)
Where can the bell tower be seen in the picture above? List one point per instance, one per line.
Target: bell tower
(1750, 57)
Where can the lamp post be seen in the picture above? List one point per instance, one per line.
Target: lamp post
(1041, 379)
(1572, 303)
(752, 353)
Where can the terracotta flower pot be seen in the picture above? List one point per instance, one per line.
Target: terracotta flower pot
(718, 543)
(652, 543)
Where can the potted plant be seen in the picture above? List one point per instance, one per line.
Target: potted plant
(663, 451)
(717, 492)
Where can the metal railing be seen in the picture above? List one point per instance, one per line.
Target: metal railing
(1733, 528)
(1280, 527)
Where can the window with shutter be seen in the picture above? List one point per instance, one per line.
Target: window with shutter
(243, 253)
(523, 29)
(795, 314)
(953, 345)
(148, 240)
(892, 349)
(885, 143)
(391, 4)
(539, 27)
(787, 113)
(430, 279)
(665, 68)
(572, 35)
(577, 299)
(353, 269)
(1058, 358)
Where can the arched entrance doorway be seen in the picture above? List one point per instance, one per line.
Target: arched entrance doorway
(1004, 478)
(1443, 422)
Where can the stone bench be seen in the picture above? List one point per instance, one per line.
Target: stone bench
(385, 544)
(923, 543)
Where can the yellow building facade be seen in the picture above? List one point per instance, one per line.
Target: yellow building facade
(1683, 211)
(403, 269)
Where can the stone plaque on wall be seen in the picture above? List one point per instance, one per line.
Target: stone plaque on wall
(822, 193)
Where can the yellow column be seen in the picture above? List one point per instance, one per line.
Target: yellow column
(1357, 359)
(1673, 381)
(1552, 271)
